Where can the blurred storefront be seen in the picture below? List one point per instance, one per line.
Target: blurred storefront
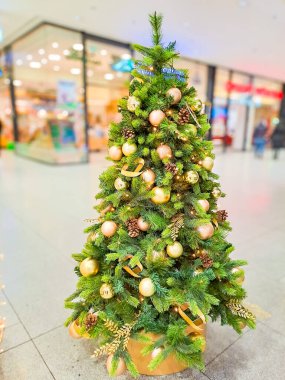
(59, 89)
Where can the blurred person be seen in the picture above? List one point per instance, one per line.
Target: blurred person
(259, 138)
(278, 139)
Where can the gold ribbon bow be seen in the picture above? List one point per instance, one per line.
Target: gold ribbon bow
(136, 172)
(133, 272)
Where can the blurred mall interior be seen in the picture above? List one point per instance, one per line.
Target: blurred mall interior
(63, 68)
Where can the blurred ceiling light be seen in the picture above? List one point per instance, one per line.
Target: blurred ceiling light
(42, 113)
(66, 52)
(54, 57)
(29, 57)
(90, 73)
(41, 51)
(109, 76)
(56, 68)
(78, 47)
(75, 71)
(126, 56)
(44, 61)
(55, 45)
(35, 65)
(103, 52)
(19, 62)
(17, 82)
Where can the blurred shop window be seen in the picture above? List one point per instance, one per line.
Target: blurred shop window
(48, 66)
(220, 108)
(7, 135)
(108, 74)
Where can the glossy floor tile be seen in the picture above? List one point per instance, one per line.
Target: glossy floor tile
(42, 212)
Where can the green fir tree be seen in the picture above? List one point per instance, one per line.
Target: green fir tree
(158, 257)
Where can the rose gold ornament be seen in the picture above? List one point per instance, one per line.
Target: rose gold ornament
(106, 291)
(208, 163)
(146, 287)
(115, 153)
(129, 148)
(74, 330)
(204, 204)
(164, 151)
(148, 176)
(155, 117)
(205, 231)
(89, 267)
(161, 195)
(109, 228)
(142, 224)
(175, 93)
(174, 250)
(121, 366)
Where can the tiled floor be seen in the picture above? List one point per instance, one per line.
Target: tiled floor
(42, 209)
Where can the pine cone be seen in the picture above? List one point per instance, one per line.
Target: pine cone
(172, 168)
(133, 229)
(90, 321)
(221, 215)
(183, 116)
(206, 260)
(128, 133)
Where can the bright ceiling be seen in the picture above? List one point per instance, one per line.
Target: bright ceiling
(241, 34)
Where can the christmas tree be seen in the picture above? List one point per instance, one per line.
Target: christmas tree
(156, 265)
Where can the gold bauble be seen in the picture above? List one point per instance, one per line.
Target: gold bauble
(205, 231)
(133, 103)
(120, 184)
(109, 228)
(89, 267)
(161, 195)
(164, 151)
(157, 255)
(129, 148)
(240, 279)
(121, 368)
(148, 176)
(142, 224)
(146, 287)
(155, 117)
(175, 93)
(174, 250)
(208, 163)
(192, 177)
(204, 204)
(74, 330)
(199, 336)
(106, 291)
(216, 192)
(115, 153)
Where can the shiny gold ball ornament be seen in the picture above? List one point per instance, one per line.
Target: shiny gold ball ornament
(106, 291)
(129, 148)
(142, 224)
(133, 103)
(204, 204)
(164, 151)
(148, 176)
(161, 195)
(74, 330)
(115, 153)
(174, 250)
(192, 177)
(89, 267)
(205, 231)
(146, 287)
(156, 117)
(208, 163)
(175, 93)
(157, 255)
(109, 228)
(216, 192)
(240, 279)
(120, 184)
(121, 368)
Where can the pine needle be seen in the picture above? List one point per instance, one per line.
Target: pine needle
(156, 21)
